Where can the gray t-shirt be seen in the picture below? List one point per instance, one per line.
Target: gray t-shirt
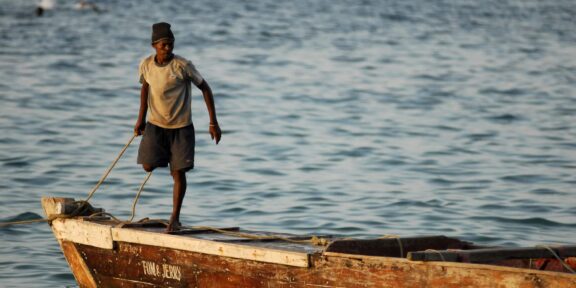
(169, 93)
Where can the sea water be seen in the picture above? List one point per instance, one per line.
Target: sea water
(354, 118)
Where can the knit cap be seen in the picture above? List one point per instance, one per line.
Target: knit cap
(161, 31)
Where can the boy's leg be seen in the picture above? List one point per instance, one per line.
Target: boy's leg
(179, 191)
(182, 143)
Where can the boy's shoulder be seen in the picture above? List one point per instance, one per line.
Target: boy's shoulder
(147, 59)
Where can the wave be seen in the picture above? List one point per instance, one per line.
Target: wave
(532, 221)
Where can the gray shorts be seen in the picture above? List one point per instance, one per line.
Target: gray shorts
(160, 147)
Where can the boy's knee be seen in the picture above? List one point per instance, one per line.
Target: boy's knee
(148, 167)
(179, 172)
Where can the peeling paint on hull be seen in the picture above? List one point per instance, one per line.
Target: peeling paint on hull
(121, 268)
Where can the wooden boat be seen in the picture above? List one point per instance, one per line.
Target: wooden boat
(102, 253)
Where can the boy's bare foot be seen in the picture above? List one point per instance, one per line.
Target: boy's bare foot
(173, 226)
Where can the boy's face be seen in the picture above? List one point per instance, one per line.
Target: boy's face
(164, 47)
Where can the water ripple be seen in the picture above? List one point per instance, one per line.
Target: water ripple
(354, 118)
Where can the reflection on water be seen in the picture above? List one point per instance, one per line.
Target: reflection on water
(339, 117)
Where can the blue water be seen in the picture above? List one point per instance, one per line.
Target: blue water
(354, 118)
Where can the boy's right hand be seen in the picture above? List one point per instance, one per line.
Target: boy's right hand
(139, 128)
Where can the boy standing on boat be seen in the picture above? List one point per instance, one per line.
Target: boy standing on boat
(168, 136)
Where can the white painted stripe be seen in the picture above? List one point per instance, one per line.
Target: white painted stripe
(211, 247)
(83, 232)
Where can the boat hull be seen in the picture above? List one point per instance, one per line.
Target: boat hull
(137, 265)
(105, 253)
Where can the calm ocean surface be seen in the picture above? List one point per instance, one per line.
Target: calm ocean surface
(355, 118)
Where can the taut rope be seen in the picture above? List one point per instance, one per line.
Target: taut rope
(110, 168)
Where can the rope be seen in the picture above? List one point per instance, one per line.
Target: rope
(110, 168)
(314, 240)
(3, 224)
(557, 257)
(76, 212)
(104, 214)
(84, 203)
(138, 195)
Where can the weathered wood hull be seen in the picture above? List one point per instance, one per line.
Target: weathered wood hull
(102, 255)
(137, 265)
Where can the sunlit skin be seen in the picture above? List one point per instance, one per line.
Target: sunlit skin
(163, 56)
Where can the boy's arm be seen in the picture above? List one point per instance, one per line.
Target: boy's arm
(214, 129)
(141, 122)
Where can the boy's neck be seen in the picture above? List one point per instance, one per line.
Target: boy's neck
(163, 59)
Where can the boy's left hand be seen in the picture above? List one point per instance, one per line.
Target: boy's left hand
(215, 132)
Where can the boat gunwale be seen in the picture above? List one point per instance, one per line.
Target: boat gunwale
(179, 242)
(277, 256)
(392, 260)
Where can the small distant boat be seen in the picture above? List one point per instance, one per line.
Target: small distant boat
(102, 253)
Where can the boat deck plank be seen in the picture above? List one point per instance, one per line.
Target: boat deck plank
(285, 241)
